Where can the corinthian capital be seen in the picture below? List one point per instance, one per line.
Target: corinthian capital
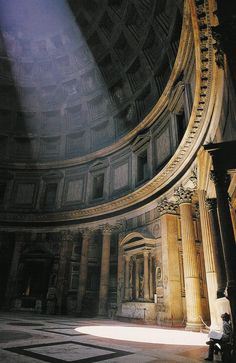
(107, 228)
(166, 207)
(183, 195)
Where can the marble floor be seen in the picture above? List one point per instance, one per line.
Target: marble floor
(31, 338)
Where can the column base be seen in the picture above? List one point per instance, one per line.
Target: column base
(193, 326)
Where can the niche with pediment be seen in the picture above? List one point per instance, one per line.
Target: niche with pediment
(139, 268)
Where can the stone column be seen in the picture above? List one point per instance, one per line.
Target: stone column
(191, 273)
(105, 271)
(137, 278)
(221, 181)
(127, 290)
(173, 313)
(146, 276)
(151, 278)
(62, 280)
(217, 247)
(83, 269)
(120, 275)
(208, 250)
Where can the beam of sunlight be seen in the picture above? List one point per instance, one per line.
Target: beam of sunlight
(53, 70)
(146, 335)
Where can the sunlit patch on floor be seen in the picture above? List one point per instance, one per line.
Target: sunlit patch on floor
(146, 335)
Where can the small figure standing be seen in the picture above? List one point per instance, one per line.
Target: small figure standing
(220, 338)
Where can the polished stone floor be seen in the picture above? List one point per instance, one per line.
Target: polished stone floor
(30, 338)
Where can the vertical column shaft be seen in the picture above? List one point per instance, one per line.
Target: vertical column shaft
(62, 281)
(83, 270)
(220, 179)
(127, 291)
(105, 272)
(170, 264)
(207, 242)
(217, 248)
(151, 279)
(137, 278)
(191, 273)
(146, 276)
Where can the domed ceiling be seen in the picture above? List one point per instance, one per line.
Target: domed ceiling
(77, 76)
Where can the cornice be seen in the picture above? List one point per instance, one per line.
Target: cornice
(196, 21)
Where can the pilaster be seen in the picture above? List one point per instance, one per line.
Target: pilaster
(62, 280)
(210, 266)
(173, 313)
(83, 268)
(105, 270)
(191, 272)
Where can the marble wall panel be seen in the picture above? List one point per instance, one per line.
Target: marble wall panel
(24, 194)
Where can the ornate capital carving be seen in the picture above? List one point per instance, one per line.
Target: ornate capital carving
(107, 228)
(165, 207)
(183, 195)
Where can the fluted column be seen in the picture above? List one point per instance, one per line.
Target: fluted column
(217, 247)
(105, 271)
(191, 273)
(62, 281)
(221, 181)
(151, 278)
(223, 159)
(137, 267)
(127, 291)
(208, 250)
(146, 275)
(120, 276)
(83, 269)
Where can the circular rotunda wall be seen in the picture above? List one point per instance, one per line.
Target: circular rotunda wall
(78, 76)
